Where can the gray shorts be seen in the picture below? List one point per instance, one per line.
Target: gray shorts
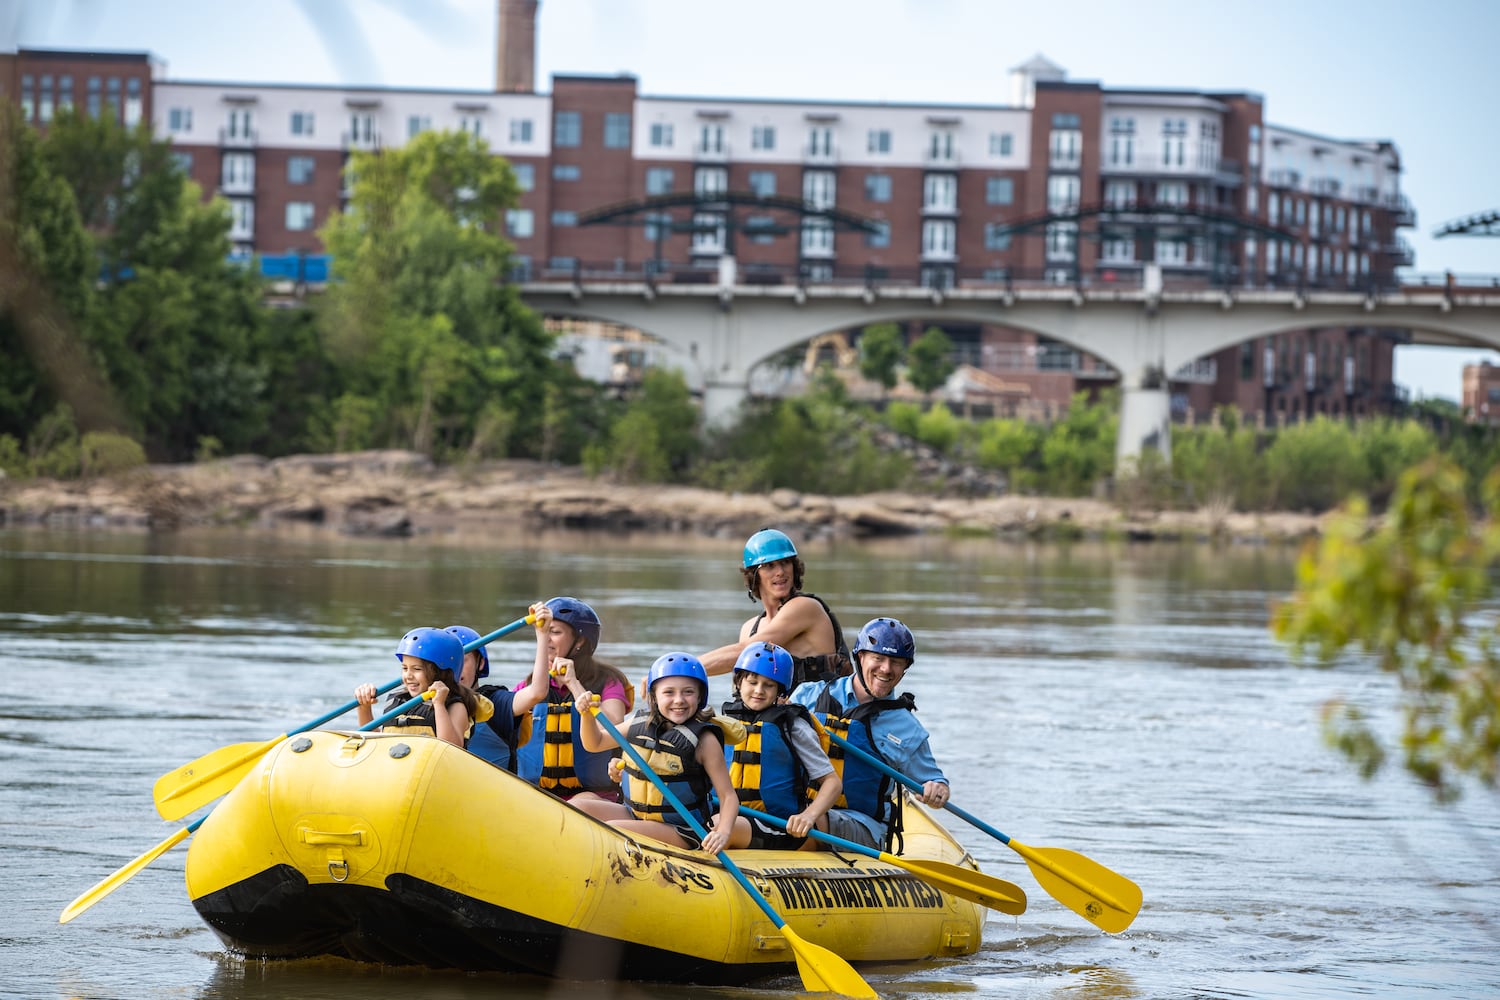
(842, 824)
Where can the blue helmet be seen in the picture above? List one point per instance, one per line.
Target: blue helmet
(887, 636)
(679, 665)
(467, 635)
(768, 545)
(440, 648)
(579, 616)
(768, 660)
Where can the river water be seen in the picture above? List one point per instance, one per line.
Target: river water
(1125, 702)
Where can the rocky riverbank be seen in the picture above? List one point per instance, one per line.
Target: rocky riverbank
(398, 494)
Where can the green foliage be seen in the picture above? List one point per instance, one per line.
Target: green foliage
(103, 452)
(929, 360)
(1079, 451)
(1313, 465)
(656, 438)
(420, 321)
(1221, 464)
(815, 443)
(209, 448)
(1013, 446)
(13, 461)
(880, 353)
(1410, 593)
(903, 418)
(1388, 448)
(939, 429)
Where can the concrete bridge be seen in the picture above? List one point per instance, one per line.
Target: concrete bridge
(1144, 329)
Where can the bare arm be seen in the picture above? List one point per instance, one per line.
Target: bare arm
(450, 719)
(710, 754)
(798, 617)
(535, 691)
(365, 695)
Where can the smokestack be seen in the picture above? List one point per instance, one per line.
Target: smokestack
(515, 51)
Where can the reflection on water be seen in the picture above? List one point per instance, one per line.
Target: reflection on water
(1125, 702)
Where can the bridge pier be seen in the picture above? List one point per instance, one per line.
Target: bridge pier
(1145, 424)
(721, 402)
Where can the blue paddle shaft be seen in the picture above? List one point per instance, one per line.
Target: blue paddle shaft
(692, 821)
(815, 834)
(915, 785)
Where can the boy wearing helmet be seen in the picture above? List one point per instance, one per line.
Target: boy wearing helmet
(508, 726)
(682, 744)
(430, 658)
(864, 710)
(800, 623)
(780, 762)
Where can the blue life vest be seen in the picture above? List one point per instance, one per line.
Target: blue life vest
(765, 769)
(554, 757)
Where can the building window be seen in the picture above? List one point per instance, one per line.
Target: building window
(817, 238)
(760, 229)
(661, 135)
(520, 223)
(658, 180)
(1062, 240)
(238, 171)
(710, 182)
(112, 96)
(299, 216)
(877, 187)
(241, 219)
(562, 263)
(302, 123)
(520, 130)
(566, 172)
(1121, 142)
(999, 191)
(996, 236)
(1001, 143)
(940, 147)
(940, 193)
(708, 233)
(417, 124)
(1062, 193)
(132, 99)
(938, 238)
(471, 124)
(1173, 142)
(1065, 147)
(44, 100)
(711, 140)
(65, 93)
(561, 218)
(820, 141)
(361, 131)
(658, 224)
(91, 100)
(881, 238)
(184, 161)
(525, 175)
(818, 188)
(299, 169)
(240, 124)
(1173, 193)
(763, 183)
(28, 96)
(616, 130)
(1115, 250)
(180, 120)
(1171, 251)
(879, 140)
(1119, 194)
(567, 128)
(763, 137)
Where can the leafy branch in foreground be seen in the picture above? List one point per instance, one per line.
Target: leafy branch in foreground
(1412, 593)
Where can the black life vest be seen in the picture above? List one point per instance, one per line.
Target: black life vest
(819, 666)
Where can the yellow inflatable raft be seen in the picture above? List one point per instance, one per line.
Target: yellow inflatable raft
(406, 850)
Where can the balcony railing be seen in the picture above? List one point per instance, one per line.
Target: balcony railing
(238, 138)
(1283, 178)
(1201, 371)
(1328, 187)
(821, 153)
(711, 152)
(367, 141)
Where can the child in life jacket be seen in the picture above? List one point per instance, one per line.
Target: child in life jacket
(430, 658)
(508, 726)
(555, 758)
(684, 745)
(781, 760)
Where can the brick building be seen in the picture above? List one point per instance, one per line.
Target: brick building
(1070, 182)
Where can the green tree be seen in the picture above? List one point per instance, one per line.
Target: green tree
(655, 439)
(1411, 593)
(1314, 465)
(173, 323)
(929, 360)
(1079, 450)
(421, 320)
(880, 353)
(1013, 446)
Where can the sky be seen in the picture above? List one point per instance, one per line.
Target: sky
(1351, 69)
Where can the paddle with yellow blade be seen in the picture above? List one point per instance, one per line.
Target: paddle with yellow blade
(196, 784)
(822, 971)
(986, 890)
(118, 878)
(1104, 898)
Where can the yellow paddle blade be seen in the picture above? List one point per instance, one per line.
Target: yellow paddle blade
(1104, 898)
(986, 890)
(824, 972)
(198, 783)
(120, 877)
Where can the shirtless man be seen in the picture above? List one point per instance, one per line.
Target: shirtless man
(797, 622)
